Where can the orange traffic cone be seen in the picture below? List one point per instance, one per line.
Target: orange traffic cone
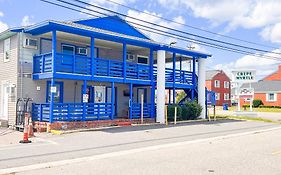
(25, 131)
(30, 130)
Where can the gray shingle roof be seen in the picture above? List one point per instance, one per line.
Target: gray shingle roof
(265, 86)
(211, 73)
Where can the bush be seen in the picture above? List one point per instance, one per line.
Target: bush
(246, 106)
(191, 111)
(171, 112)
(257, 103)
(263, 106)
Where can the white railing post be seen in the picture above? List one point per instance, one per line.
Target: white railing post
(141, 109)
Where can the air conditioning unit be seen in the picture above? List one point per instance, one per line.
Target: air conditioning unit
(130, 57)
(30, 43)
(82, 51)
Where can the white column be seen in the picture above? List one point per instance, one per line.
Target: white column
(201, 85)
(160, 115)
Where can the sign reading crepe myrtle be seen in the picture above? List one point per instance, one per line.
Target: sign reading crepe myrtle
(244, 76)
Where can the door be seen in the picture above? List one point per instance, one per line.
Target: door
(108, 98)
(142, 91)
(68, 49)
(4, 102)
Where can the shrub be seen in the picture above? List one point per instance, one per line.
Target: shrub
(263, 106)
(191, 111)
(246, 106)
(257, 103)
(171, 112)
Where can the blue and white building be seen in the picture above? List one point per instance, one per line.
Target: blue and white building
(93, 69)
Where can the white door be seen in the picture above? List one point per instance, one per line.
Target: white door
(4, 101)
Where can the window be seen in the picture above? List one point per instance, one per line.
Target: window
(226, 84)
(142, 59)
(58, 95)
(271, 97)
(217, 96)
(217, 83)
(30, 43)
(226, 96)
(67, 49)
(7, 50)
(82, 51)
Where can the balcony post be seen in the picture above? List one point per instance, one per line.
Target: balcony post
(53, 90)
(161, 62)
(151, 65)
(174, 78)
(54, 51)
(201, 86)
(112, 100)
(152, 93)
(92, 50)
(131, 101)
(193, 79)
(124, 61)
(84, 99)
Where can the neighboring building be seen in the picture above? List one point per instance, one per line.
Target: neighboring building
(91, 70)
(219, 82)
(267, 91)
(274, 76)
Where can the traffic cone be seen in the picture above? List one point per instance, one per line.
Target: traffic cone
(30, 130)
(25, 131)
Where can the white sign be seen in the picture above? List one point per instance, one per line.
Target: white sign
(246, 92)
(85, 98)
(244, 76)
(53, 89)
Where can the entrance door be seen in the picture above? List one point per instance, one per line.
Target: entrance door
(108, 98)
(142, 91)
(4, 101)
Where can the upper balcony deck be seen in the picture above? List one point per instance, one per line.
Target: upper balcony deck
(100, 69)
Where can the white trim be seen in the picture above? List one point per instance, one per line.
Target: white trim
(215, 84)
(274, 97)
(7, 50)
(142, 57)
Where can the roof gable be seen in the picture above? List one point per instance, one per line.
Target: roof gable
(114, 24)
(264, 86)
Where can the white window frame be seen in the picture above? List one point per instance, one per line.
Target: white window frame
(226, 96)
(215, 83)
(7, 50)
(217, 96)
(26, 43)
(271, 100)
(226, 84)
(130, 57)
(146, 57)
(80, 48)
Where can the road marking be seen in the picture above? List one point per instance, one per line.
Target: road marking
(276, 152)
(125, 152)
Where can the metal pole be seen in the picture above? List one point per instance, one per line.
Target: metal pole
(166, 115)
(215, 116)
(141, 108)
(175, 119)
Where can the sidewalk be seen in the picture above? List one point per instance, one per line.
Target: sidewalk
(9, 136)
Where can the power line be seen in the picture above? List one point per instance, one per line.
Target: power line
(190, 26)
(187, 33)
(170, 34)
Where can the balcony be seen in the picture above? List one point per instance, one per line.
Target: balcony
(77, 65)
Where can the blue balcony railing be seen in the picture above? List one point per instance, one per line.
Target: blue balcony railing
(72, 111)
(82, 65)
(136, 110)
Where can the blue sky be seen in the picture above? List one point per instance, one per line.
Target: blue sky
(252, 20)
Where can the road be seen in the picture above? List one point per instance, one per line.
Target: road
(222, 147)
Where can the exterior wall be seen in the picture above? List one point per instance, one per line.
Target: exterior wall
(8, 74)
(274, 76)
(210, 84)
(262, 96)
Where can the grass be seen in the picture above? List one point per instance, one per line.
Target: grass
(245, 118)
(234, 108)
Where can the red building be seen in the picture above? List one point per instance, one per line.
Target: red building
(268, 89)
(219, 82)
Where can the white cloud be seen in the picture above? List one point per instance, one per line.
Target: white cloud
(26, 21)
(3, 26)
(263, 66)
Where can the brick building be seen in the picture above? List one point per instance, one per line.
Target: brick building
(219, 82)
(274, 76)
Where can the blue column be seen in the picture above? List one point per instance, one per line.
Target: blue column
(151, 61)
(193, 78)
(124, 60)
(92, 55)
(54, 53)
(174, 77)
(84, 103)
(131, 101)
(152, 115)
(112, 100)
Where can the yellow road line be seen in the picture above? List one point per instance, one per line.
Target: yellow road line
(276, 152)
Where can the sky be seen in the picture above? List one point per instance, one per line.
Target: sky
(257, 21)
